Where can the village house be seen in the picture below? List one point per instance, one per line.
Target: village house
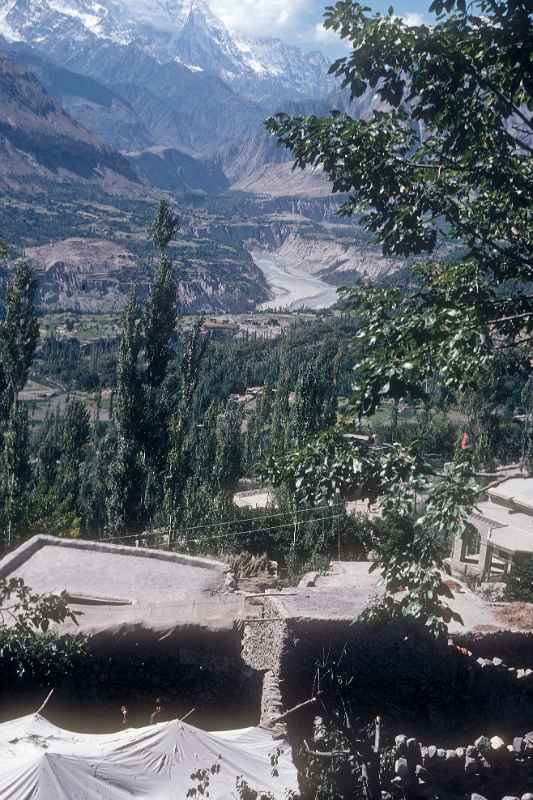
(503, 525)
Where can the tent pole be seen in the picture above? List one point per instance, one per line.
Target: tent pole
(43, 705)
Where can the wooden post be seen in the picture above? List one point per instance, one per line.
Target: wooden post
(377, 737)
(305, 704)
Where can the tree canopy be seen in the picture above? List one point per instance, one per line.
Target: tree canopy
(440, 170)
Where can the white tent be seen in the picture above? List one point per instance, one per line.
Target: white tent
(39, 761)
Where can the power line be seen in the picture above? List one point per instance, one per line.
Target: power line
(231, 534)
(230, 522)
(262, 530)
(264, 516)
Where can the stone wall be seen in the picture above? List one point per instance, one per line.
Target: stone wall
(487, 770)
(514, 648)
(264, 641)
(409, 677)
(265, 635)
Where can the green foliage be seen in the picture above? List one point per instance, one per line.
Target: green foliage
(87, 368)
(454, 144)
(62, 451)
(468, 176)
(315, 403)
(202, 780)
(330, 467)
(19, 334)
(24, 610)
(447, 157)
(28, 649)
(159, 323)
(38, 659)
(420, 517)
(165, 226)
(177, 472)
(125, 477)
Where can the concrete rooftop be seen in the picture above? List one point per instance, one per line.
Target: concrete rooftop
(150, 594)
(518, 491)
(348, 588)
(124, 589)
(515, 529)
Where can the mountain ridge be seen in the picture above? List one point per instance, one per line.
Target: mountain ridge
(186, 32)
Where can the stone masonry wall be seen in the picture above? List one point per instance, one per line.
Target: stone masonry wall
(265, 639)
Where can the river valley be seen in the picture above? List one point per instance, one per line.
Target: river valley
(292, 286)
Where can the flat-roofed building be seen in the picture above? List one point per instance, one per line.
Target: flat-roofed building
(128, 593)
(503, 525)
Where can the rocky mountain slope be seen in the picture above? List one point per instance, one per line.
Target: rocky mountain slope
(176, 75)
(181, 31)
(94, 276)
(106, 104)
(144, 73)
(174, 171)
(38, 139)
(89, 102)
(45, 139)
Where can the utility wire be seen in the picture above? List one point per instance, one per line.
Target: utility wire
(262, 530)
(231, 534)
(230, 522)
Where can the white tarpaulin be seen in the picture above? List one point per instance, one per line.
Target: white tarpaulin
(39, 761)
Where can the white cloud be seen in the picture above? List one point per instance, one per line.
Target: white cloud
(413, 19)
(262, 17)
(324, 35)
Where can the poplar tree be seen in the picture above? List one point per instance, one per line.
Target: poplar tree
(75, 436)
(178, 460)
(228, 457)
(158, 328)
(16, 469)
(19, 333)
(280, 427)
(124, 501)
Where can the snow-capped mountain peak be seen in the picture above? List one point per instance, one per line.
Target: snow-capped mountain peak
(178, 31)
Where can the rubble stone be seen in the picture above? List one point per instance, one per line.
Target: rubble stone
(497, 743)
(401, 768)
(401, 744)
(431, 752)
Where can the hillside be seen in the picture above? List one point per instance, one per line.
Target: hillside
(89, 102)
(40, 141)
(105, 108)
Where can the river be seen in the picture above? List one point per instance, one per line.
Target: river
(292, 286)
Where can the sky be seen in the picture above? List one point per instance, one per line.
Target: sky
(300, 21)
